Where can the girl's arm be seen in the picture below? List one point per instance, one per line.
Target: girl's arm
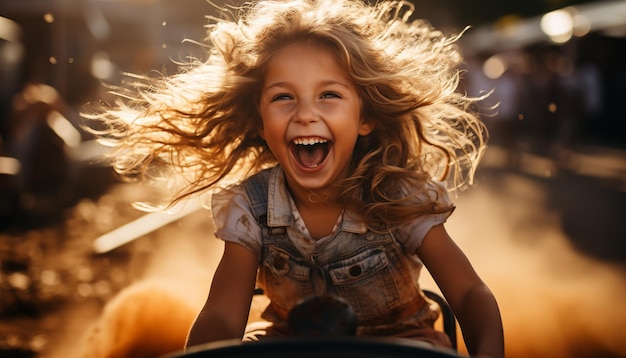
(225, 313)
(471, 300)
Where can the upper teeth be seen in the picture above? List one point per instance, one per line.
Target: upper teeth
(309, 141)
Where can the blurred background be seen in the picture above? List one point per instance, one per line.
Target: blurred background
(544, 224)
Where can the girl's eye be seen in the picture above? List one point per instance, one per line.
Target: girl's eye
(281, 97)
(330, 95)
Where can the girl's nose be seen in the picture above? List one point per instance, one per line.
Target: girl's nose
(306, 113)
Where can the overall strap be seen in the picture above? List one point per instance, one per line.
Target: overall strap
(256, 188)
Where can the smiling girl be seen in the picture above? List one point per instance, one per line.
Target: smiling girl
(343, 124)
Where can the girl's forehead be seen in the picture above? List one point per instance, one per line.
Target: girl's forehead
(296, 61)
(304, 45)
(306, 52)
(302, 49)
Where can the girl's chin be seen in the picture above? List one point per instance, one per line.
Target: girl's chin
(308, 182)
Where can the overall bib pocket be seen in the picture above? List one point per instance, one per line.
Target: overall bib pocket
(365, 281)
(284, 279)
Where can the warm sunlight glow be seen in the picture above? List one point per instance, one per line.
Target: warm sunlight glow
(558, 25)
(494, 67)
(10, 166)
(101, 66)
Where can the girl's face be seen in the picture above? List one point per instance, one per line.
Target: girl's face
(311, 116)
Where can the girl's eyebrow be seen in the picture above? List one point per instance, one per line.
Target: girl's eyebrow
(275, 84)
(336, 82)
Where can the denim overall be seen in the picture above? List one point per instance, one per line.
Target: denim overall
(370, 271)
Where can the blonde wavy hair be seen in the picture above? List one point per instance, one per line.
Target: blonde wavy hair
(202, 124)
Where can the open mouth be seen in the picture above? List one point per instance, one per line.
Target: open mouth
(310, 152)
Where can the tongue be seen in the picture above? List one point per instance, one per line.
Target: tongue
(311, 155)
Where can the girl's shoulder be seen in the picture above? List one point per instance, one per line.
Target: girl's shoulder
(427, 192)
(251, 194)
(234, 219)
(431, 205)
(260, 179)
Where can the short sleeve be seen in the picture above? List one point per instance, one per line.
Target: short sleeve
(412, 234)
(234, 220)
